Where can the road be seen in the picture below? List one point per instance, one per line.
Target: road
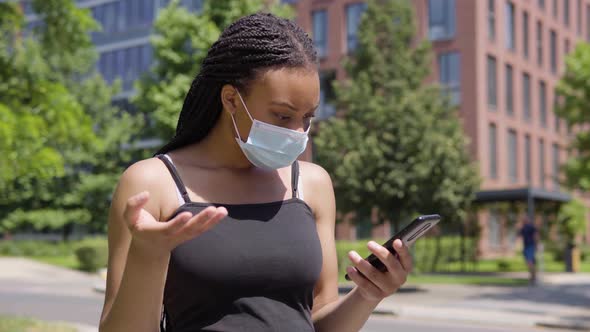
(387, 324)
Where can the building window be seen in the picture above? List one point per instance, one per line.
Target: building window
(527, 158)
(542, 163)
(566, 12)
(494, 229)
(539, 43)
(567, 46)
(320, 31)
(525, 34)
(555, 175)
(555, 10)
(354, 12)
(553, 51)
(492, 19)
(441, 19)
(493, 151)
(512, 156)
(326, 108)
(510, 43)
(541, 4)
(526, 100)
(543, 103)
(449, 66)
(127, 64)
(509, 90)
(588, 23)
(557, 123)
(492, 82)
(579, 17)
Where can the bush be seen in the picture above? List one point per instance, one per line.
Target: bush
(34, 248)
(504, 265)
(342, 249)
(92, 254)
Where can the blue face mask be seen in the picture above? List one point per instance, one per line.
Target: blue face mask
(269, 146)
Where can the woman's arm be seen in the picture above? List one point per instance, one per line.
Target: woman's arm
(350, 312)
(140, 246)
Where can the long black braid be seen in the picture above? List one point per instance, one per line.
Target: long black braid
(247, 47)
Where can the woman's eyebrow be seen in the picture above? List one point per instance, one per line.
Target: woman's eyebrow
(290, 106)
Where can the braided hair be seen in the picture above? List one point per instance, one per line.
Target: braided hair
(245, 49)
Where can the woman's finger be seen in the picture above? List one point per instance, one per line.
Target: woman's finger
(134, 205)
(369, 271)
(204, 220)
(363, 283)
(174, 225)
(404, 255)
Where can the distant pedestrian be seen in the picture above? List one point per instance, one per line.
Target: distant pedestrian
(530, 238)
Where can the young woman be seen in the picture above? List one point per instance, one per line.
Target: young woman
(224, 230)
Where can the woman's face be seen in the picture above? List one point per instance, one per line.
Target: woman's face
(286, 98)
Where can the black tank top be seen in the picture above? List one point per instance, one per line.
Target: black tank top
(254, 271)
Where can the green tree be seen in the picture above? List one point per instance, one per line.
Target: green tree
(397, 144)
(180, 42)
(61, 134)
(574, 90)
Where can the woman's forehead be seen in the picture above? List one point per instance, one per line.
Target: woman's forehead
(298, 85)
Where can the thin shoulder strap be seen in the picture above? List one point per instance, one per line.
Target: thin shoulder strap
(175, 176)
(294, 177)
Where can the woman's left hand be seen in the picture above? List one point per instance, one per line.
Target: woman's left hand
(373, 284)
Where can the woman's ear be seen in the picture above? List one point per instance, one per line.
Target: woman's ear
(229, 99)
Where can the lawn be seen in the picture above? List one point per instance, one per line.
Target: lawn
(22, 324)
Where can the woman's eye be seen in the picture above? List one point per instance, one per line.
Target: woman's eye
(283, 117)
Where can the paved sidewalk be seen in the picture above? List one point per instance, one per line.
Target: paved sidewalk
(42, 291)
(560, 301)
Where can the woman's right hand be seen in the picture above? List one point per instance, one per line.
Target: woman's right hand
(161, 237)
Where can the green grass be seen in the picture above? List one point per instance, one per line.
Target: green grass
(480, 280)
(22, 324)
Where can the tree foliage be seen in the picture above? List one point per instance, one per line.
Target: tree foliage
(397, 143)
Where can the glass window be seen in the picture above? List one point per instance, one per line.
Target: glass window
(567, 46)
(354, 12)
(449, 66)
(492, 85)
(526, 100)
(121, 17)
(555, 175)
(510, 43)
(119, 64)
(539, 43)
(543, 103)
(541, 4)
(542, 163)
(326, 108)
(509, 90)
(441, 19)
(566, 12)
(512, 156)
(579, 17)
(525, 34)
(492, 19)
(527, 158)
(557, 123)
(146, 58)
(553, 51)
(555, 10)
(588, 23)
(320, 31)
(494, 229)
(109, 17)
(493, 151)
(148, 10)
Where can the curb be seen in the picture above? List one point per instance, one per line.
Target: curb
(574, 326)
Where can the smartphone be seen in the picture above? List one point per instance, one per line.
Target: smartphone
(408, 235)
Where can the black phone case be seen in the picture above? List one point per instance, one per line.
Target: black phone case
(413, 229)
